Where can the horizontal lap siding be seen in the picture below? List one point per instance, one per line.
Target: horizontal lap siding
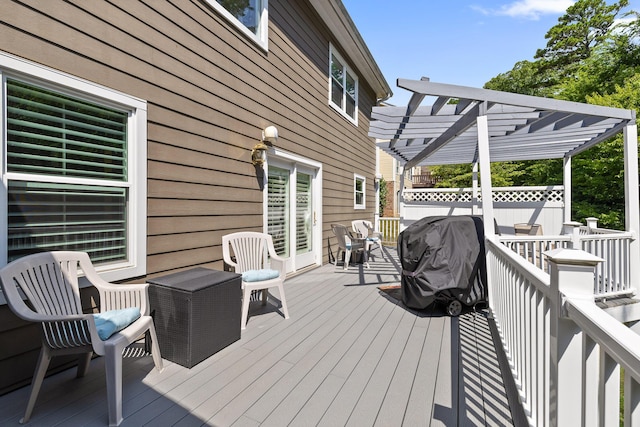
(210, 91)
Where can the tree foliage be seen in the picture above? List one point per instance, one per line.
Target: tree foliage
(586, 24)
(383, 193)
(588, 58)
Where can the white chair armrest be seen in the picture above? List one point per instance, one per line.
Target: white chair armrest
(279, 263)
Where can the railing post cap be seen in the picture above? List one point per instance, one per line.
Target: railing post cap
(591, 218)
(572, 223)
(572, 257)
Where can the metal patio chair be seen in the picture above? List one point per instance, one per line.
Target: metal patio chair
(49, 281)
(254, 256)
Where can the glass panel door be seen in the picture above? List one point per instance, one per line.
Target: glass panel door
(304, 219)
(278, 209)
(292, 212)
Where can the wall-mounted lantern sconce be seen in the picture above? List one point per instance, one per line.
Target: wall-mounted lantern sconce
(259, 152)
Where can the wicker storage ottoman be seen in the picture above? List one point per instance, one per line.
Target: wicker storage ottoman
(196, 313)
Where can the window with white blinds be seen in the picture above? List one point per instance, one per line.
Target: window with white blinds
(278, 209)
(73, 169)
(58, 136)
(52, 134)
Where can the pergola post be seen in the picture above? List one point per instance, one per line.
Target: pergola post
(474, 190)
(485, 171)
(632, 205)
(566, 181)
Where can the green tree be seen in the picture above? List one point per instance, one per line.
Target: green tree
(599, 171)
(586, 24)
(527, 78)
(383, 192)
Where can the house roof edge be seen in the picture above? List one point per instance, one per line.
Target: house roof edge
(339, 22)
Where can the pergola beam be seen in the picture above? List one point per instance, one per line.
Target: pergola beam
(465, 122)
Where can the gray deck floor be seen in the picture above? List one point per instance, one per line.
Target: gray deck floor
(349, 355)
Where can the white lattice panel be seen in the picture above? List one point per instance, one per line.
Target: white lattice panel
(500, 195)
(528, 196)
(438, 197)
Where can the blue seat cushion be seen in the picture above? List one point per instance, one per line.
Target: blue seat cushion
(110, 322)
(259, 275)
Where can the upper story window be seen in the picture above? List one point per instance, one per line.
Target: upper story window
(343, 87)
(73, 170)
(359, 192)
(250, 16)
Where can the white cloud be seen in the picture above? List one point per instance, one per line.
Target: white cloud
(531, 9)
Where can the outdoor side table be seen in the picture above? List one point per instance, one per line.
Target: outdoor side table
(196, 312)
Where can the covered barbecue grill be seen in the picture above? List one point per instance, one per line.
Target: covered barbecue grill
(443, 260)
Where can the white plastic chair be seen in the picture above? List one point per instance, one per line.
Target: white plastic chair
(255, 252)
(364, 229)
(349, 244)
(49, 280)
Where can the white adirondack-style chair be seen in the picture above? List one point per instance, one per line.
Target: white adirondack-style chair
(49, 280)
(254, 256)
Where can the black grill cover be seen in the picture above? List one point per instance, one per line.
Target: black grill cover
(443, 258)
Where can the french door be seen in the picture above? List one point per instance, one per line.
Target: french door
(292, 213)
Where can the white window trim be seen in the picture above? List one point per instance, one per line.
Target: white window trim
(262, 38)
(357, 177)
(12, 66)
(334, 52)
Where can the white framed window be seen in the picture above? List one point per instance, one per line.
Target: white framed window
(73, 169)
(249, 16)
(359, 187)
(343, 87)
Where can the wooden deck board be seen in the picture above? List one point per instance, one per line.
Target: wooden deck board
(349, 355)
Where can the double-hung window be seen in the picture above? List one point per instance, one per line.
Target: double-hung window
(359, 186)
(73, 169)
(249, 16)
(343, 87)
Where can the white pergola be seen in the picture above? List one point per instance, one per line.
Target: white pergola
(480, 126)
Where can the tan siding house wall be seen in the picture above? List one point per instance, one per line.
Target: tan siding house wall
(210, 91)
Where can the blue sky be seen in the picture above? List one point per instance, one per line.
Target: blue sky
(462, 42)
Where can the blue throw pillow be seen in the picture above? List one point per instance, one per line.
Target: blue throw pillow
(259, 275)
(110, 322)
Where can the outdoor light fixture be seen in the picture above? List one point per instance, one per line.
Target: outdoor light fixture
(259, 152)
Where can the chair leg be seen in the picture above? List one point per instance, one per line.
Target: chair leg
(113, 370)
(83, 364)
(284, 301)
(38, 376)
(155, 347)
(347, 257)
(246, 297)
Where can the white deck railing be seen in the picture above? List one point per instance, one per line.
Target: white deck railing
(613, 275)
(564, 352)
(390, 228)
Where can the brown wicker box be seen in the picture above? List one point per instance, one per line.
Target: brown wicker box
(196, 312)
